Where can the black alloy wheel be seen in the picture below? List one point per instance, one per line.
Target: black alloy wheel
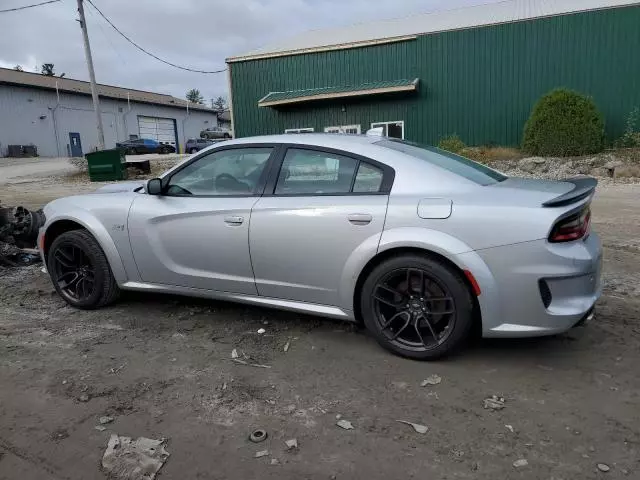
(73, 272)
(417, 306)
(80, 271)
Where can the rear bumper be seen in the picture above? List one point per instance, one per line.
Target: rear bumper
(539, 288)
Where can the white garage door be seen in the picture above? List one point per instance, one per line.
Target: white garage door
(160, 129)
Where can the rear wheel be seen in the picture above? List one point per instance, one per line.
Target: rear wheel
(80, 271)
(417, 306)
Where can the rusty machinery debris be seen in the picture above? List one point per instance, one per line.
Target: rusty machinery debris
(18, 235)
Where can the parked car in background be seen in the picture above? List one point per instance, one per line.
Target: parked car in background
(145, 145)
(215, 132)
(194, 145)
(419, 244)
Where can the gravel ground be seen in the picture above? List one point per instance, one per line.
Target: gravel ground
(161, 367)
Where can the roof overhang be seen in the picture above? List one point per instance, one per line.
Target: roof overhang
(323, 48)
(274, 99)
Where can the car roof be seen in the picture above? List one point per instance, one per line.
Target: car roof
(411, 173)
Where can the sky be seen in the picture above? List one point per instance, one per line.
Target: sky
(198, 34)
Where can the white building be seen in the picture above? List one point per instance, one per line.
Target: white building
(49, 112)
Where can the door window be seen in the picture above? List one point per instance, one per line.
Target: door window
(307, 172)
(235, 171)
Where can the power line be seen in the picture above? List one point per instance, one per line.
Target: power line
(146, 51)
(28, 6)
(106, 37)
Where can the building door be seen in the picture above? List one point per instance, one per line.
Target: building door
(162, 130)
(351, 129)
(75, 147)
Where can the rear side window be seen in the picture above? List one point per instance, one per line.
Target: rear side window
(457, 164)
(368, 179)
(305, 172)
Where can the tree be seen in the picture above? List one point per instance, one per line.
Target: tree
(194, 96)
(47, 69)
(219, 104)
(18, 68)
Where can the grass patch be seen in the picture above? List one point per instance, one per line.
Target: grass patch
(492, 154)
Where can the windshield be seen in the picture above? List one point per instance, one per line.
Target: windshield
(457, 164)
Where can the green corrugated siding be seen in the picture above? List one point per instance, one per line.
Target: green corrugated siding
(479, 83)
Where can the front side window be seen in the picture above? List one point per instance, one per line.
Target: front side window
(305, 172)
(151, 143)
(224, 172)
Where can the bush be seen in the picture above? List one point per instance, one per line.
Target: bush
(452, 144)
(631, 136)
(564, 123)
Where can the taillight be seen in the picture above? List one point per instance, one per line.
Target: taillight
(571, 228)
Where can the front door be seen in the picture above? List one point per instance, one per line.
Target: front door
(324, 206)
(75, 146)
(196, 234)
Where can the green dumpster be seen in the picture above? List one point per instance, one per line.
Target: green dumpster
(106, 165)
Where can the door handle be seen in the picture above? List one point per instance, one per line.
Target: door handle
(234, 220)
(360, 218)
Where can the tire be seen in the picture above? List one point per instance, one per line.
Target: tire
(226, 135)
(438, 310)
(193, 150)
(104, 289)
(133, 151)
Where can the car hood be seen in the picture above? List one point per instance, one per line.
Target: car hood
(120, 187)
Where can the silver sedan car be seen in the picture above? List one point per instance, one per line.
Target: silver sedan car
(418, 244)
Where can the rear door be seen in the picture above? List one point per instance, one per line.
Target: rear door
(319, 207)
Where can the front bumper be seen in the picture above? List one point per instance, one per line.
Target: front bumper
(516, 303)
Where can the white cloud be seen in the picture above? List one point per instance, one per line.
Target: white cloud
(195, 33)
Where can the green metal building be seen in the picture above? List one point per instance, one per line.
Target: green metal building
(475, 72)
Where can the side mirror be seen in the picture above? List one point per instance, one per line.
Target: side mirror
(154, 186)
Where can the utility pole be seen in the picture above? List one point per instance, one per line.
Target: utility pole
(92, 75)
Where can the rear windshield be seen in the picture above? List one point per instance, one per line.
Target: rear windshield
(457, 164)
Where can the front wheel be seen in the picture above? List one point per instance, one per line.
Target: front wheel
(417, 307)
(80, 271)
(193, 150)
(133, 151)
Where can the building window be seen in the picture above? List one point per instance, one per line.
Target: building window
(299, 130)
(391, 129)
(351, 129)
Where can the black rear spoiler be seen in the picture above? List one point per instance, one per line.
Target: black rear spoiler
(582, 188)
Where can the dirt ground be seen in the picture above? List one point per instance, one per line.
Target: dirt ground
(161, 366)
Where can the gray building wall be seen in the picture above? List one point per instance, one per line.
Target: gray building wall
(34, 116)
